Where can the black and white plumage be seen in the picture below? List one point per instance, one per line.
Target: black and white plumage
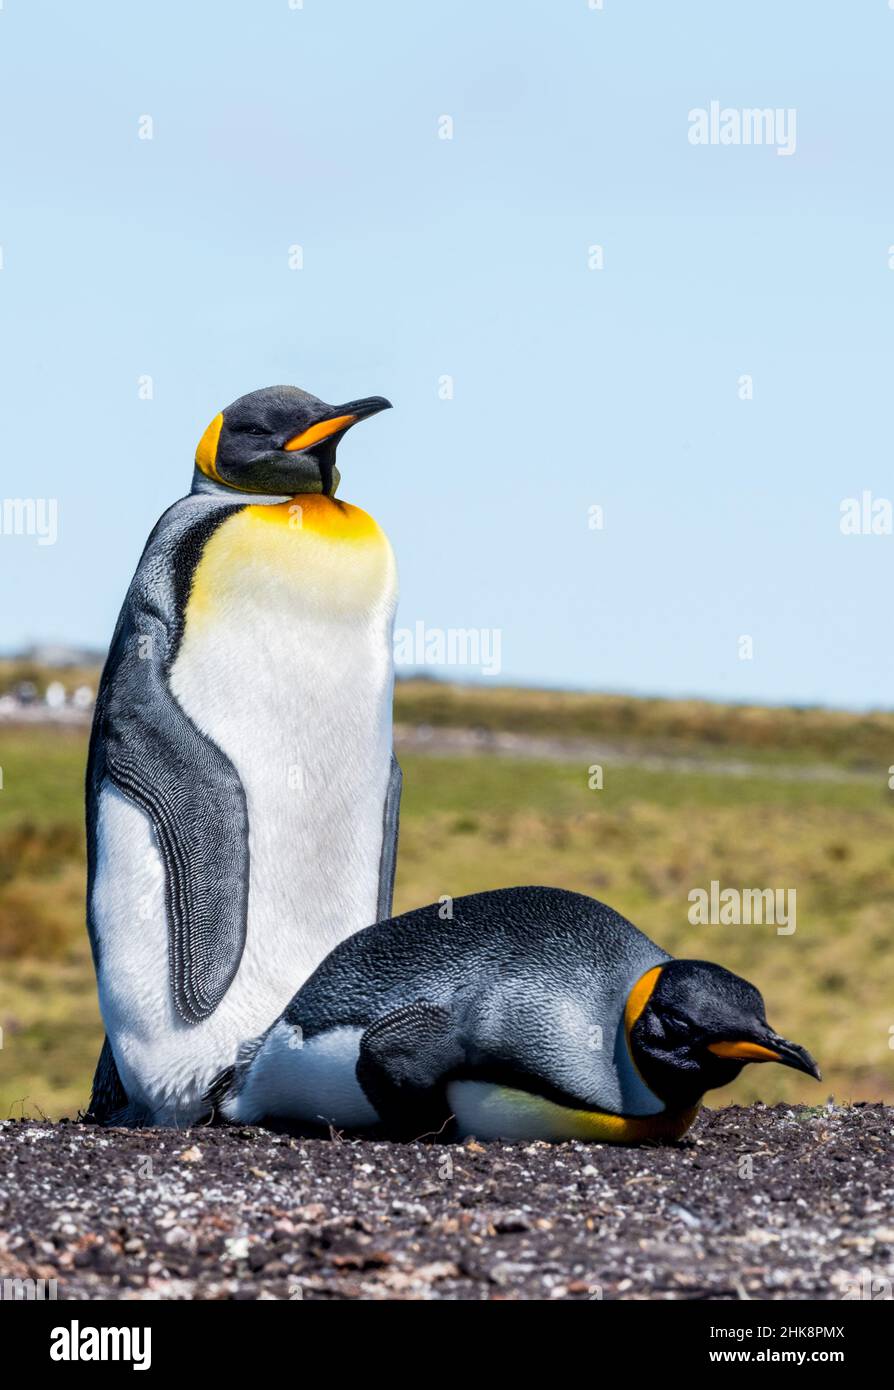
(526, 1013)
(242, 794)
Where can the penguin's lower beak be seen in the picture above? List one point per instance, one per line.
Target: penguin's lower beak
(772, 1049)
(341, 419)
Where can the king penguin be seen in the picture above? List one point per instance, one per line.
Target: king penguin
(532, 1013)
(242, 793)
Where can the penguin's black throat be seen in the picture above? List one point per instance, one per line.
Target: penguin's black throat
(700, 1026)
(324, 457)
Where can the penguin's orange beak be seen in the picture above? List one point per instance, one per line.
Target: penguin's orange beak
(348, 415)
(788, 1053)
(321, 430)
(744, 1051)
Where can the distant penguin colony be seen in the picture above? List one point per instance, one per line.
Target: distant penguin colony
(242, 794)
(533, 1014)
(242, 822)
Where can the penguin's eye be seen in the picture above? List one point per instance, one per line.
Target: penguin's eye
(254, 431)
(676, 1021)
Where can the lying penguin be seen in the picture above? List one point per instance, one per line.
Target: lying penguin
(532, 1013)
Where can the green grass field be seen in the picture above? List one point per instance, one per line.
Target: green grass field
(473, 822)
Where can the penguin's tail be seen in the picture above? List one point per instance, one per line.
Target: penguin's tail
(109, 1102)
(219, 1091)
(228, 1083)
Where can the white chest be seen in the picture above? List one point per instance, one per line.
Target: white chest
(285, 662)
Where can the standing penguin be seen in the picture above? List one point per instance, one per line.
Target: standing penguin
(242, 793)
(532, 1013)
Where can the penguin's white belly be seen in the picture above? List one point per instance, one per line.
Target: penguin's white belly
(313, 1081)
(286, 664)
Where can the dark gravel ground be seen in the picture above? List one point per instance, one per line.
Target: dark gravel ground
(783, 1203)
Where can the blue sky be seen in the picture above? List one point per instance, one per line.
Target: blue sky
(468, 257)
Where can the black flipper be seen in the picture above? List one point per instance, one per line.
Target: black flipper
(147, 746)
(388, 861)
(190, 790)
(404, 1063)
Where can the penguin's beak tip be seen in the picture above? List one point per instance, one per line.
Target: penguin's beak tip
(797, 1057)
(371, 405)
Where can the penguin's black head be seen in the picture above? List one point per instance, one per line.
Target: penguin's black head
(696, 1025)
(279, 441)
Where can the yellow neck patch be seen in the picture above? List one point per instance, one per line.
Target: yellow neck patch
(320, 516)
(519, 1114)
(625, 1129)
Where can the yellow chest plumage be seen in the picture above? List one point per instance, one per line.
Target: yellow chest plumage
(334, 553)
(285, 662)
(501, 1112)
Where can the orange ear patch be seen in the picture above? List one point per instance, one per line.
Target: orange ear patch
(206, 453)
(639, 996)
